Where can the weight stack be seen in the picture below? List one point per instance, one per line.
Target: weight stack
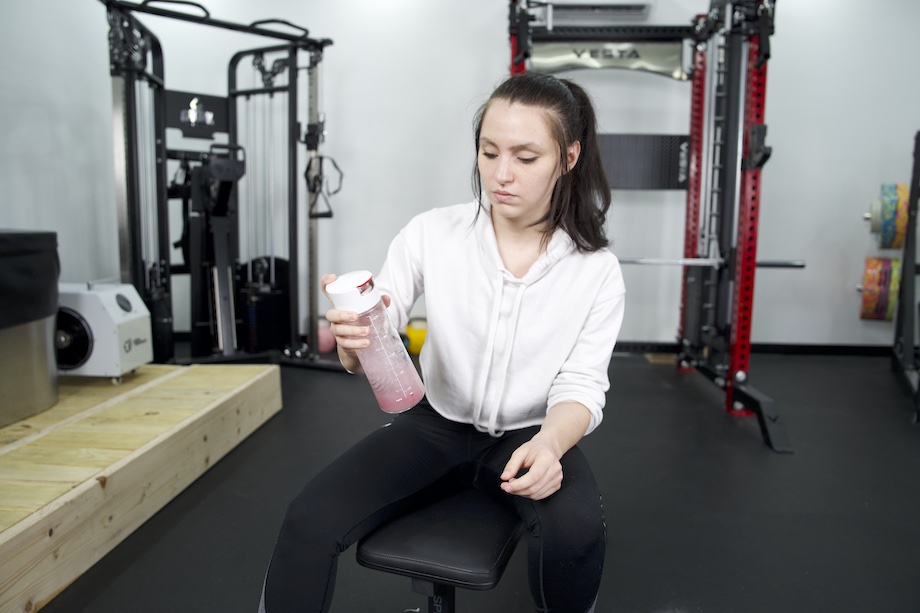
(161, 323)
(266, 319)
(29, 271)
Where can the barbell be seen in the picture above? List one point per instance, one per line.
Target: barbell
(712, 262)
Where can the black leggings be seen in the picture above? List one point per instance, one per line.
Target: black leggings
(400, 465)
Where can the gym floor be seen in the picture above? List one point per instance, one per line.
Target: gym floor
(703, 516)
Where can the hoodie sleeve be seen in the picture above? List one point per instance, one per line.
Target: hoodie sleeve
(583, 377)
(401, 276)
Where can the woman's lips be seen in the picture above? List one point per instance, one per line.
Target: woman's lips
(503, 196)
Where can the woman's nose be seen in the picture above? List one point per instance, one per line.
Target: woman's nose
(503, 171)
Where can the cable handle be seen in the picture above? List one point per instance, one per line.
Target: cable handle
(228, 151)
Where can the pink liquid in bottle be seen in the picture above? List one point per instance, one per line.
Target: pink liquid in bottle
(386, 363)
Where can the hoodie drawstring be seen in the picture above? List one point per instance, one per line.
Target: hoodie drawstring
(487, 358)
(509, 343)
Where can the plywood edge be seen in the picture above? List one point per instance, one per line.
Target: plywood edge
(44, 553)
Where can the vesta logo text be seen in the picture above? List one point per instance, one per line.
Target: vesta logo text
(608, 54)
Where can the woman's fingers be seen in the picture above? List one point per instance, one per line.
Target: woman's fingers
(543, 477)
(344, 327)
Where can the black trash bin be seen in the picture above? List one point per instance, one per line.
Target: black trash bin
(29, 271)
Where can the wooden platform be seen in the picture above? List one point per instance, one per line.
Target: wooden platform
(78, 478)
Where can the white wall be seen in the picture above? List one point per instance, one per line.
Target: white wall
(842, 113)
(56, 163)
(400, 86)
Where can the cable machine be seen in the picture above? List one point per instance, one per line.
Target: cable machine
(240, 207)
(719, 163)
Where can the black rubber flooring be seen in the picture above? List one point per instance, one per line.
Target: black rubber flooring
(703, 516)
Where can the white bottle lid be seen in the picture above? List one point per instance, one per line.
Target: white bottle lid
(354, 291)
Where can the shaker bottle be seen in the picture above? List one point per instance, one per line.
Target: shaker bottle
(390, 371)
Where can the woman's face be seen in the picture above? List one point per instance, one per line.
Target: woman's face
(519, 162)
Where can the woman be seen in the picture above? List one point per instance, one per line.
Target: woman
(523, 306)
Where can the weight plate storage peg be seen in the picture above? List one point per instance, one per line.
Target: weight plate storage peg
(881, 281)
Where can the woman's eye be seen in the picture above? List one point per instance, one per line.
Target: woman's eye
(490, 156)
(528, 160)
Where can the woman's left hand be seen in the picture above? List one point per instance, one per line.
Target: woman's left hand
(544, 474)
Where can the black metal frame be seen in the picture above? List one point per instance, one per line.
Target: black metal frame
(904, 355)
(130, 44)
(290, 90)
(207, 20)
(717, 302)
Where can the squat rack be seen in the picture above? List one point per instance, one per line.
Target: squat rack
(143, 110)
(719, 163)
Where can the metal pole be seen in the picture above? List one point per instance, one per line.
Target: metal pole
(689, 332)
(736, 48)
(294, 225)
(904, 361)
(313, 192)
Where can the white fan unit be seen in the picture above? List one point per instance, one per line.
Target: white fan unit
(102, 330)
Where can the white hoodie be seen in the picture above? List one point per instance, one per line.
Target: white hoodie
(500, 351)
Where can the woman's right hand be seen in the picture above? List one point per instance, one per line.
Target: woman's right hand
(348, 335)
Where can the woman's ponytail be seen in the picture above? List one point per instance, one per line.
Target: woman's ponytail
(589, 181)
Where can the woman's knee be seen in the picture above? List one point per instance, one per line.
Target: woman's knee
(571, 520)
(312, 522)
(580, 532)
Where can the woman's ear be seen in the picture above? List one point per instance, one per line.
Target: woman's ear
(572, 155)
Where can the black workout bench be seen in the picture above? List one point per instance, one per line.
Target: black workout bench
(464, 540)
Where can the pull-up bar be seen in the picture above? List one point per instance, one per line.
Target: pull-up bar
(301, 39)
